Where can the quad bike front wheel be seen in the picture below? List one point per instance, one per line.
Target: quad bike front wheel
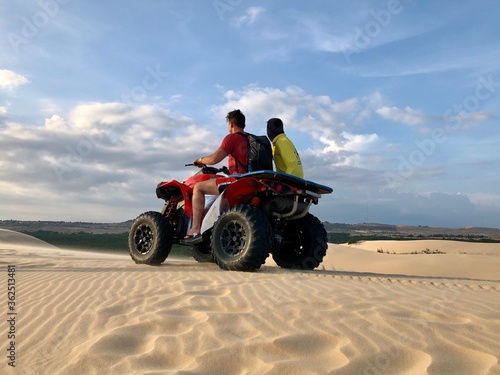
(150, 238)
(241, 239)
(305, 244)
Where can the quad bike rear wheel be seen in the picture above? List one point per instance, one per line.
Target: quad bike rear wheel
(241, 239)
(150, 238)
(305, 244)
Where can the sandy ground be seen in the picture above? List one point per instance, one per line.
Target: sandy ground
(363, 312)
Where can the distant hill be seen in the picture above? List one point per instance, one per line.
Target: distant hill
(414, 232)
(337, 232)
(66, 226)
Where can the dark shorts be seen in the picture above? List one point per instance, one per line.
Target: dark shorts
(223, 183)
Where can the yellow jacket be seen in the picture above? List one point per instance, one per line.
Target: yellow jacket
(286, 157)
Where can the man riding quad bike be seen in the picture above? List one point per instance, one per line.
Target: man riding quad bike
(260, 213)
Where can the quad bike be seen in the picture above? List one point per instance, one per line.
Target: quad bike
(260, 213)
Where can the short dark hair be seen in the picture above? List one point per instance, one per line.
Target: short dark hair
(237, 118)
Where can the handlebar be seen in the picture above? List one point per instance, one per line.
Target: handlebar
(210, 170)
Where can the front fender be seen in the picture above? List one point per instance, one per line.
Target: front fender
(168, 189)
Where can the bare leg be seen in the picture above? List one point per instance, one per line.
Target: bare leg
(198, 200)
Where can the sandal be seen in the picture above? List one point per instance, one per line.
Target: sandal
(191, 239)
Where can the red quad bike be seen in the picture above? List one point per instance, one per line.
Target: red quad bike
(261, 213)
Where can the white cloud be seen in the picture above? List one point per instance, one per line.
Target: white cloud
(466, 120)
(487, 200)
(354, 142)
(407, 115)
(101, 144)
(355, 151)
(102, 154)
(328, 125)
(9, 79)
(359, 142)
(325, 38)
(112, 155)
(55, 123)
(318, 116)
(250, 17)
(116, 153)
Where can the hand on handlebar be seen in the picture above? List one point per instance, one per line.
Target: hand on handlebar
(198, 163)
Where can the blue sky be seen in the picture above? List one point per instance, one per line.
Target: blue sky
(394, 104)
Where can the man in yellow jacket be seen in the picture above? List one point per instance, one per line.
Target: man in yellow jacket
(286, 157)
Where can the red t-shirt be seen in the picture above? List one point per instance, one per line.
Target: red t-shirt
(235, 144)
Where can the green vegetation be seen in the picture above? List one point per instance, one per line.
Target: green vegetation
(114, 242)
(338, 238)
(83, 240)
(426, 251)
(118, 242)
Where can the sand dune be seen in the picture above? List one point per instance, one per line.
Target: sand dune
(461, 260)
(364, 313)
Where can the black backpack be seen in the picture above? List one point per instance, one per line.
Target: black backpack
(259, 153)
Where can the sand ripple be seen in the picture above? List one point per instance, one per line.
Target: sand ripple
(102, 314)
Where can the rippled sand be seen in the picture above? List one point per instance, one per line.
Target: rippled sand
(363, 313)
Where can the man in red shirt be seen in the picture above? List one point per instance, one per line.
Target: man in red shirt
(233, 145)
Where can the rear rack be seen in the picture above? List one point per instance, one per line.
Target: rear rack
(311, 187)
